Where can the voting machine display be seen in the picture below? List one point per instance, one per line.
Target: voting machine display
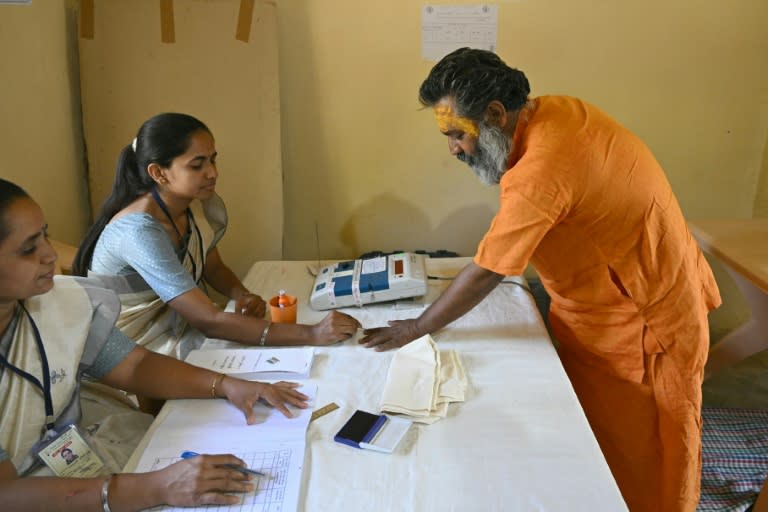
(365, 281)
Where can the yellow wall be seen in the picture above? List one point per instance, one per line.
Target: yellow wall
(761, 197)
(367, 167)
(364, 163)
(128, 75)
(40, 128)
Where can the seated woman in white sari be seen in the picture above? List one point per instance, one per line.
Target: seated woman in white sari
(53, 332)
(154, 243)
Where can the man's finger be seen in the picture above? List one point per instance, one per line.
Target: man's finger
(379, 339)
(385, 346)
(372, 336)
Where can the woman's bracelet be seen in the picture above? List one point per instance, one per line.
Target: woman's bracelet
(263, 338)
(216, 379)
(105, 494)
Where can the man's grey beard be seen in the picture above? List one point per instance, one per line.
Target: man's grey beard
(489, 162)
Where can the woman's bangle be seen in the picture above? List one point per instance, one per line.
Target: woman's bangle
(213, 384)
(263, 338)
(105, 494)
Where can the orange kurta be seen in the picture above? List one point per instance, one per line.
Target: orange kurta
(588, 205)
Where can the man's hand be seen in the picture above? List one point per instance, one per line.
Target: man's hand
(399, 333)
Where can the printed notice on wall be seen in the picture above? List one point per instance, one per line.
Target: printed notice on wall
(445, 28)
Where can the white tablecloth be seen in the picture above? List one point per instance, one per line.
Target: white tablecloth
(520, 441)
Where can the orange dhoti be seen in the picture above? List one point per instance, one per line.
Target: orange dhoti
(648, 423)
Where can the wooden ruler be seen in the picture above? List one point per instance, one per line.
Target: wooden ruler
(317, 413)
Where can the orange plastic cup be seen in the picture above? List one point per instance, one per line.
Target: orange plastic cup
(286, 314)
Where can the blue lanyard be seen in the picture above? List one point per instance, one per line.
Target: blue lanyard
(45, 387)
(191, 218)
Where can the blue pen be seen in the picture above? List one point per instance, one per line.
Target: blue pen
(241, 469)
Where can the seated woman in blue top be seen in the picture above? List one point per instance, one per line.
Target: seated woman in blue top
(154, 243)
(53, 332)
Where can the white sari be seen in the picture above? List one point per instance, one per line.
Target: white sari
(74, 320)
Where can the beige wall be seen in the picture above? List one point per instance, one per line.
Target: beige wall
(128, 75)
(761, 197)
(371, 170)
(40, 129)
(364, 164)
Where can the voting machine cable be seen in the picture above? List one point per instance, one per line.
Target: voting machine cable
(503, 281)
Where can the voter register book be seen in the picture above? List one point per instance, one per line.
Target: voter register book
(365, 281)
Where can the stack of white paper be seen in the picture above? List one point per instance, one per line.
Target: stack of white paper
(274, 445)
(255, 363)
(422, 381)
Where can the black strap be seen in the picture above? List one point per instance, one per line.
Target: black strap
(191, 220)
(45, 387)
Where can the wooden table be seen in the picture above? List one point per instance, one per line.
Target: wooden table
(742, 245)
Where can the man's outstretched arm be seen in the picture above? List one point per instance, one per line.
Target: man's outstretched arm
(469, 287)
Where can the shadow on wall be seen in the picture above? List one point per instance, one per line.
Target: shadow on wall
(388, 223)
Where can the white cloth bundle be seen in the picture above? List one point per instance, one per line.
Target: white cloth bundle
(422, 381)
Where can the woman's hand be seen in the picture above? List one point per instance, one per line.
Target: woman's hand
(244, 394)
(334, 328)
(201, 480)
(250, 304)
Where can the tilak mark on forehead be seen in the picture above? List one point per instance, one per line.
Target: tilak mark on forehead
(448, 121)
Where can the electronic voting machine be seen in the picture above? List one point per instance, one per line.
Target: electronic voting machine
(364, 281)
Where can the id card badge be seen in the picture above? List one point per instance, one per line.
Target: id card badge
(68, 454)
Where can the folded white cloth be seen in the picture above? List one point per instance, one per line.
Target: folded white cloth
(453, 380)
(422, 381)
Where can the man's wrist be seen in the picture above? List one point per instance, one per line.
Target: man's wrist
(416, 330)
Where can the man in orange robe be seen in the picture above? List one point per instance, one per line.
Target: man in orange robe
(584, 200)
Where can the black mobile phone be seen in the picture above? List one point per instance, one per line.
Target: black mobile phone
(361, 427)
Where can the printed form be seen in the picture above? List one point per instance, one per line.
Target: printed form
(256, 363)
(274, 445)
(445, 28)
